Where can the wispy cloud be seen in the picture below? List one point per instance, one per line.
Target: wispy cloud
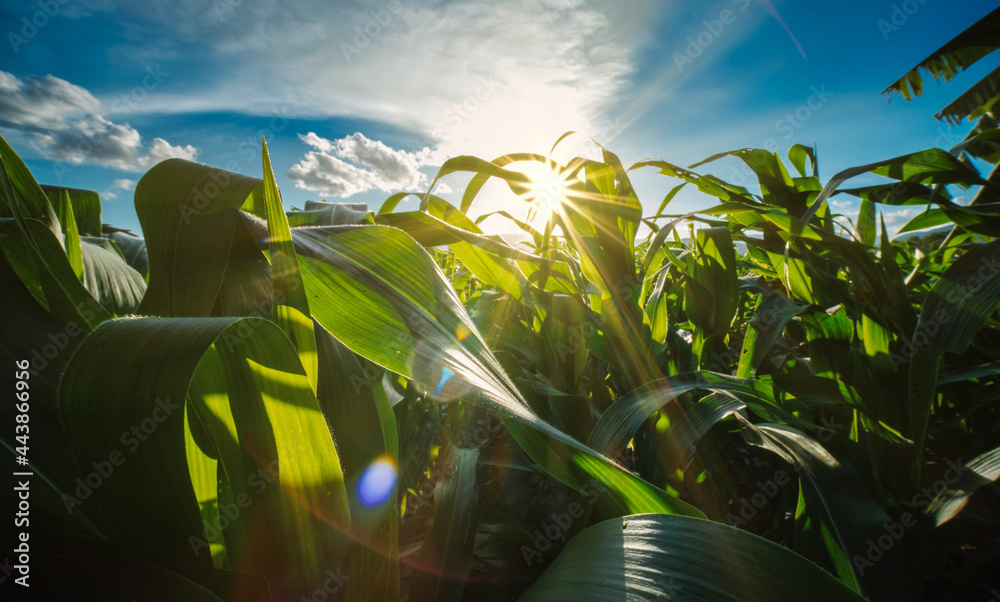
(481, 76)
(65, 122)
(121, 184)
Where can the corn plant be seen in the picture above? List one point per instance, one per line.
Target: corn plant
(337, 403)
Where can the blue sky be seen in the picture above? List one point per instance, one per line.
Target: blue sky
(360, 99)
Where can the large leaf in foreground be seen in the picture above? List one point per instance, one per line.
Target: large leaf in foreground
(188, 214)
(656, 557)
(415, 326)
(842, 514)
(281, 499)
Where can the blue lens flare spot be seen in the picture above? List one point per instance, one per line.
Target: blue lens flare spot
(377, 482)
(446, 375)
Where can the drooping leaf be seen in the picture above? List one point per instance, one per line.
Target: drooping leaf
(188, 213)
(982, 470)
(283, 494)
(85, 205)
(655, 557)
(416, 327)
(115, 285)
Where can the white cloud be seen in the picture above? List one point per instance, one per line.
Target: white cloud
(329, 176)
(894, 220)
(163, 150)
(43, 103)
(353, 164)
(65, 122)
(475, 76)
(120, 184)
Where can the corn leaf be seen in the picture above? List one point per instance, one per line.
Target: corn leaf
(654, 557)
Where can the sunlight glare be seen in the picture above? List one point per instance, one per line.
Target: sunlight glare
(549, 192)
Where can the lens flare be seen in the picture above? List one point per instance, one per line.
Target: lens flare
(377, 482)
(446, 375)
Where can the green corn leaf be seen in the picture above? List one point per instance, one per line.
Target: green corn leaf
(655, 557)
(712, 291)
(931, 166)
(71, 235)
(133, 250)
(351, 395)
(282, 493)
(798, 155)
(446, 556)
(24, 198)
(619, 423)
(115, 285)
(40, 261)
(770, 317)
(290, 308)
(838, 501)
(866, 222)
(982, 470)
(951, 315)
(928, 219)
(415, 326)
(188, 213)
(85, 204)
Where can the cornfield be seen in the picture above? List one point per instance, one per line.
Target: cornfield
(754, 401)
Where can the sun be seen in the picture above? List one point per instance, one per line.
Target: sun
(548, 192)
